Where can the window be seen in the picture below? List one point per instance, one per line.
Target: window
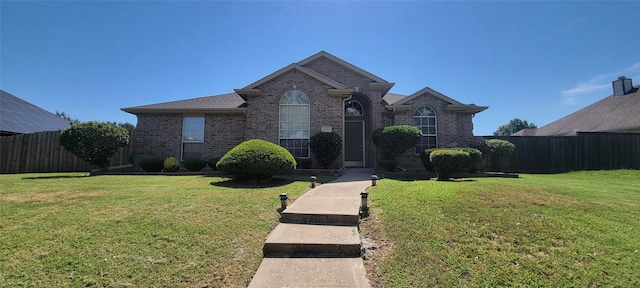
(425, 119)
(192, 137)
(353, 109)
(294, 123)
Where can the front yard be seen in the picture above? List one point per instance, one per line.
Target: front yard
(67, 229)
(59, 230)
(578, 229)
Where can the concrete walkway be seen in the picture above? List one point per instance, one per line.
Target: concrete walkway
(317, 244)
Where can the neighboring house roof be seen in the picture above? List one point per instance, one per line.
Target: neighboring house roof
(231, 102)
(453, 104)
(611, 114)
(21, 117)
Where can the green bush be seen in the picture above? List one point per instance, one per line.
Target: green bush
(472, 166)
(475, 160)
(194, 165)
(500, 148)
(326, 147)
(394, 140)
(494, 147)
(212, 163)
(426, 159)
(448, 161)
(152, 164)
(171, 164)
(256, 160)
(94, 142)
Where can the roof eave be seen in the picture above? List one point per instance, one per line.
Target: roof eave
(340, 92)
(466, 108)
(137, 111)
(398, 107)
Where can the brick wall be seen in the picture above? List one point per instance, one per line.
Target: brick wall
(158, 136)
(222, 132)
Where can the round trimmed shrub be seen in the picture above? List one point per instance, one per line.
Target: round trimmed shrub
(326, 147)
(171, 164)
(256, 160)
(500, 148)
(152, 164)
(475, 159)
(194, 165)
(448, 161)
(426, 159)
(94, 142)
(212, 163)
(394, 140)
(472, 166)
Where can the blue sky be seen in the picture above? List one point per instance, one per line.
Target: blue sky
(537, 61)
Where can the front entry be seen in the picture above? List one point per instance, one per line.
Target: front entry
(354, 144)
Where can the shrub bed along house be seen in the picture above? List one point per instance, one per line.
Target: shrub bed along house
(194, 165)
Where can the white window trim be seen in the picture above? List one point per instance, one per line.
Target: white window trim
(308, 128)
(435, 135)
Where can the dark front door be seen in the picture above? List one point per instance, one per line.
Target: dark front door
(354, 144)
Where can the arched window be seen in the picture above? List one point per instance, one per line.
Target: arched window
(425, 119)
(294, 123)
(353, 109)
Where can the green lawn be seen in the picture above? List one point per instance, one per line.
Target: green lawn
(59, 230)
(578, 229)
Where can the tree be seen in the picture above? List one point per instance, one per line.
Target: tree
(94, 142)
(67, 117)
(514, 126)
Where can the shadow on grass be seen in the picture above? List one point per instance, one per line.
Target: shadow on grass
(55, 177)
(274, 182)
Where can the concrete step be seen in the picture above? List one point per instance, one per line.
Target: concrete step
(299, 240)
(310, 272)
(312, 209)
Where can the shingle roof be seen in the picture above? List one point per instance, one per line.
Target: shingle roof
(452, 106)
(611, 114)
(222, 103)
(391, 98)
(21, 117)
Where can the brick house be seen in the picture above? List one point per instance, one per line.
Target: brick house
(287, 107)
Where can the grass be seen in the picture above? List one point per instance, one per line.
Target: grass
(579, 229)
(68, 229)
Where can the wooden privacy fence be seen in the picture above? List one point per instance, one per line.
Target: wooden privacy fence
(42, 152)
(586, 151)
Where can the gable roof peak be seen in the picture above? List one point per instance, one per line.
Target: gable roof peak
(295, 66)
(346, 64)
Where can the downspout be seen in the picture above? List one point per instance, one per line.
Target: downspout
(344, 102)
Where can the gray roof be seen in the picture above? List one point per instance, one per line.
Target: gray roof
(222, 103)
(391, 98)
(21, 117)
(611, 114)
